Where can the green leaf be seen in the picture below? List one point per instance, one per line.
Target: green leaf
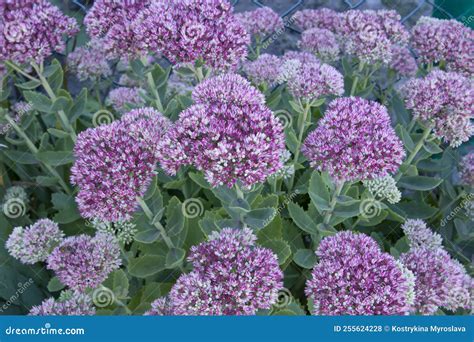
(259, 218)
(416, 209)
(420, 183)
(117, 281)
(79, 105)
(199, 179)
(280, 248)
(46, 181)
(174, 258)
(432, 147)
(302, 219)
(350, 210)
(58, 133)
(318, 192)
(55, 158)
(39, 101)
(146, 266)
(30, 85)
(174, 217)
(305, 258)
(21, 157)
(55, 285)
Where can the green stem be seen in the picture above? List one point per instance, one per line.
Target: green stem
(199, 74)
(61, 114)
(415, 151)
(152, 86)
(158, 225)
(411, 125)
(303, 116)
(34, 150)
(356, 78)
(332, 204)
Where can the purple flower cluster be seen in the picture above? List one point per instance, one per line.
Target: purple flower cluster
(444, 100)
(228, 133)
(119, 97)
(354, 277)
(436, 40)
(83, 261)
(419, 235)
(323, 18)
(265, 69)
(111, 22)
(466, 171)
(34, 243)
(314, 80)
(89, 62)
(369, 35)
(231, 276)
(322, 42)
(354, 141)
(31, 30)
(403, 61)
(261, 22)
(186, 31)
(440, 280)
(115, 164)
(78, 304)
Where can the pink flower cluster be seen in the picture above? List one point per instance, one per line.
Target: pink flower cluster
(231, 276)
(437, 40)
(34, 243)
(261, 22)
(115, 164)
(354, 141)
(78, 304)
(228, 133)
(444, 100)
(322, 42)
(120, 97)
(467, 169)
(186, 31)
(31, 30)
(265, 69)
(369, 35)
(354, 277)
(323, 18)
(82, 262)
(403, 61)
(89, 62)
(111, 22)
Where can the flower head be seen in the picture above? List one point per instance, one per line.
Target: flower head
(354, 141)
(34, 243)
(124, 231)
(384, 188)
(403, 61)
(186, 31)
(419, 235)
(467, 169)
(231, 276)
(322, 43)
(31, 30)
(440, 280)
(77, 304)
(89, 63)
(315, 80)
(261, 22)
(323, 18)
(354, 277)
(83, 261)
(115, 164)
(436, 40)
(111, 21)
(265, 69)
(120, 97)
(369, 35)
(444, 100)
(229, 134)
